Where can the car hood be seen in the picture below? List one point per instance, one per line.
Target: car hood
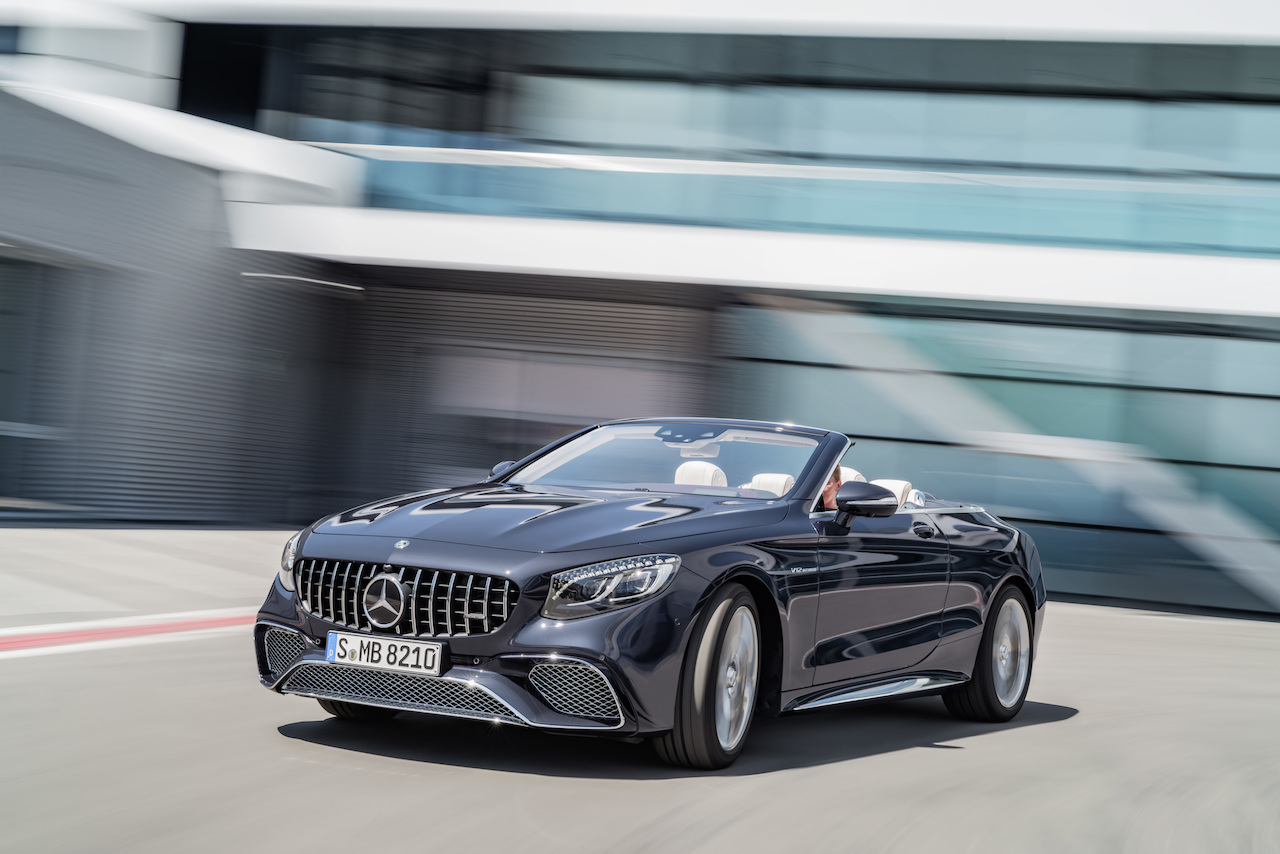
(550, 519)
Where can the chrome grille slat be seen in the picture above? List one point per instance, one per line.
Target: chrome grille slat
(332, 584)
(355, 597)
(356, 587)
(576, 689)
(317, 579)
(448, 605)
(319, 597)
(310, 601)
(304, 586)
(408, 605)
(413, 601)
(398, 691)
(346, 573)
(451, 604)
(431, 603)
(466, 605)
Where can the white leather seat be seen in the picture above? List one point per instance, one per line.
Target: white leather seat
(847, 475)
(701, 473)
(778, 484)
(899, 488)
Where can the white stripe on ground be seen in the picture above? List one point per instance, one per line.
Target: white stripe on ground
(139, 640)
(136, 620)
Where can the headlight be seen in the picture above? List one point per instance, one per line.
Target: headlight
(286, 561)
(604, 586)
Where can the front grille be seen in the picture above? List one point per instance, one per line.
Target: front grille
(576, 689)
(398, 691)
(439, 603)
(282, 648)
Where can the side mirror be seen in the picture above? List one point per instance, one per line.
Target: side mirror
(501, 467)
(858, 498)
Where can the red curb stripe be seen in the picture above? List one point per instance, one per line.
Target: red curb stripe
(116, 632)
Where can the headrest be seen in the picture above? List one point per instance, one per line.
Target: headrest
(778, 484)
(899, 488)
(701, 473)
(847, 474)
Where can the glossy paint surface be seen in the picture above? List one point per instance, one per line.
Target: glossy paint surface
(839, 607)
(543, 519)
(883, 589)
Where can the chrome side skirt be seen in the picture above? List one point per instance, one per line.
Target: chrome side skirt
(880, 691)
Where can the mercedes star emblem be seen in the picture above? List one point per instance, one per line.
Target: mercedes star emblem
(384, 601)
(402, 544)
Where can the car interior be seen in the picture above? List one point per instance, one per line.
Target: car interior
(704, 473)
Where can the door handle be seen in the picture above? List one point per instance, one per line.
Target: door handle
(923, 531)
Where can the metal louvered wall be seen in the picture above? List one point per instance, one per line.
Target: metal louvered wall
(175, 388)
(454, 381)
(167, 386)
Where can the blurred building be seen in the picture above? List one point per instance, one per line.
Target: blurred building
(262, 261)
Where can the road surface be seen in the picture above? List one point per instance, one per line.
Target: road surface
(1143, 732)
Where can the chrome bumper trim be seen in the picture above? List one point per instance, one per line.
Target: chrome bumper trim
(524, 705)
(438, 695)
(882, 690)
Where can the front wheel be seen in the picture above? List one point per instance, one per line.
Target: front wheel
(717, 694)
(1002, 673)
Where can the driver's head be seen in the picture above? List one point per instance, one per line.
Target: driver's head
(831, 488)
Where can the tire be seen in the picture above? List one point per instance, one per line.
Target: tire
(1002, 672)
(356, 712)
(719, 684)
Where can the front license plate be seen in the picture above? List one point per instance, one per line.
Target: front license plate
(394, 654)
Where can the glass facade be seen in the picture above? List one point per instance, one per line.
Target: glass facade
(1137, 449)
(1129, 451)
(1150, 146)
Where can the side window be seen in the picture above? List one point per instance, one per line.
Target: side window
(826, 498)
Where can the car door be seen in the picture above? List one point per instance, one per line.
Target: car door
(882, 591)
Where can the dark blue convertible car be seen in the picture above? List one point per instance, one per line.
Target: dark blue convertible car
(667, 579)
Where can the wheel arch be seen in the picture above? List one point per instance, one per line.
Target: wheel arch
(769, 691)
(1024, 587)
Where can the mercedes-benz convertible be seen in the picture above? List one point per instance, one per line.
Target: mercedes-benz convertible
(665, 579)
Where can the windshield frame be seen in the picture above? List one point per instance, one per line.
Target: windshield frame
(828, 445)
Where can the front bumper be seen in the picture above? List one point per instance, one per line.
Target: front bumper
(546, 690)
(614, 673)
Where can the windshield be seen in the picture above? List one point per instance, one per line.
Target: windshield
(701, 458)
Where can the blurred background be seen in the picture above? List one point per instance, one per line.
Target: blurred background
(260, 262)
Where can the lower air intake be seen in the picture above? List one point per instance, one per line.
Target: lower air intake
(283, 648)
(576, 689)
(398, 691)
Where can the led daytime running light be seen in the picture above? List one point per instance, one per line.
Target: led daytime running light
(605, 586)
(561, 580)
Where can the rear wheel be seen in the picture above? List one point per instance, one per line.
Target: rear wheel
(717, 695)
(1002, 673)
(356, 712)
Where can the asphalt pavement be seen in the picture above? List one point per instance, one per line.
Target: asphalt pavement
(1143, 732)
